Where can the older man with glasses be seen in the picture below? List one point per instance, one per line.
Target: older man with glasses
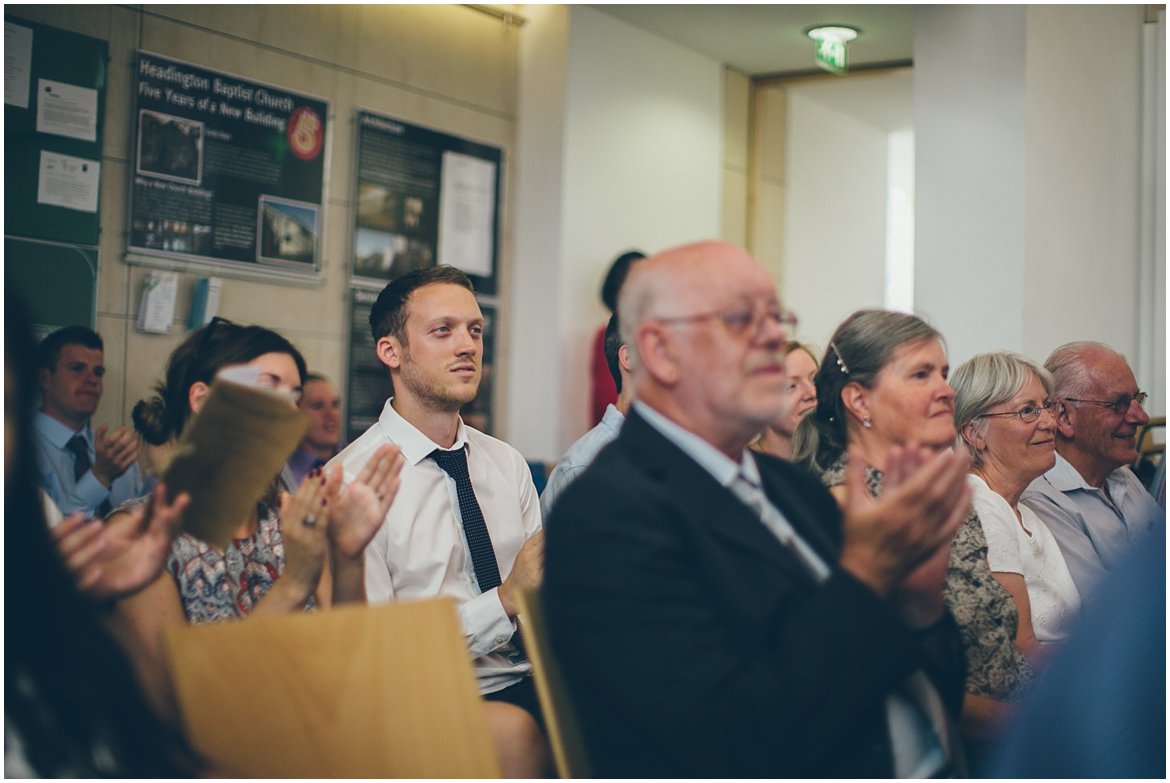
(711, 612)
(1091, 501)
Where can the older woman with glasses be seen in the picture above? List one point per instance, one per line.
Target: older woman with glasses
(1006, 419)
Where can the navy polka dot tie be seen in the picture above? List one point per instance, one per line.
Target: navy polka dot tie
(479, 541)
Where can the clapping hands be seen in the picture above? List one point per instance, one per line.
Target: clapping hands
(119, 557)
(113, 453)
(899, 544)
(356, 513)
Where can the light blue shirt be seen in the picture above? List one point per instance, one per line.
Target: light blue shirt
(579, 455)
(1094, 530)
(55, 465)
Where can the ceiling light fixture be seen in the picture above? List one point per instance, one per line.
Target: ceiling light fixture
(830, 45)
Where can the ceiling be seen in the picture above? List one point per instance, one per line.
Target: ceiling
(769, 39)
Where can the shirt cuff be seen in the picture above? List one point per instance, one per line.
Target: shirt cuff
(486, 625)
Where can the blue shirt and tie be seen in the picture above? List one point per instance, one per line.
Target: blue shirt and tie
(66, 471)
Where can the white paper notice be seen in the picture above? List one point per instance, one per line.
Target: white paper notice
(67, 110)
(467, 202)
(17, 63)
(156, 312)
(66, 181)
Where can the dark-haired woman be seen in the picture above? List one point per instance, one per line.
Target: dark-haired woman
(603, 390)
(290, 553)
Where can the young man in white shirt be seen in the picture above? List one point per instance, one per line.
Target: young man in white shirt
(428, 330)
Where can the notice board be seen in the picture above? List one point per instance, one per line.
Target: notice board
(226, 170)
(54, 109)
(423, 198)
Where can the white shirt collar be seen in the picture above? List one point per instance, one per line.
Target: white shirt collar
(714, 461)
(415, 445)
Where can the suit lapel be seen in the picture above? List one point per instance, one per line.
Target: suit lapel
(794, 503)
(701, 499)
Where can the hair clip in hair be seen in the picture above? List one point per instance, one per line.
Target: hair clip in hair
(840, 361)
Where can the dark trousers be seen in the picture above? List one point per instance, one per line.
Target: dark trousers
(523, 695)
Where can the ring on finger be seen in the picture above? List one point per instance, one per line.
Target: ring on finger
(310, 520)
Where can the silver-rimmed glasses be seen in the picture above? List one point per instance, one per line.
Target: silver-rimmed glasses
(1029, 413)
(1119, 406)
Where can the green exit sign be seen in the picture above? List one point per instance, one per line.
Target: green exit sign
(830, 55)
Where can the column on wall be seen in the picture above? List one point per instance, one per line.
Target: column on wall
(620, 145)
(1028, 176)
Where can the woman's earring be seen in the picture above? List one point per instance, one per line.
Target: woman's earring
(867, 423)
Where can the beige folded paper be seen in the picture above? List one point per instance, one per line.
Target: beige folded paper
(229, 454)
(365, 691)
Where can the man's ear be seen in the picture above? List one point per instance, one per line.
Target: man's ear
(389, 352)
(197, 395)
(855, 398)
(43, 378)
(656, 350)
(1064, 423)
(624, 357)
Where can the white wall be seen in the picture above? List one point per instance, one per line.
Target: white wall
(970, 133)
(642, 167)
(1027, 124)
(1083, 176)
(835, 221)
(1152, 306)
(533, 404)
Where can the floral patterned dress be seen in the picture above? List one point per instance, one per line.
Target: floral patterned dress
(215, 585)
(982, 608)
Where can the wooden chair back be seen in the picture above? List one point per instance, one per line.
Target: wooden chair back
(564, 734)
(1147, 444)
(370, 691)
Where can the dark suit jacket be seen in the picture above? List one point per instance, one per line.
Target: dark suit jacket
(694, 644)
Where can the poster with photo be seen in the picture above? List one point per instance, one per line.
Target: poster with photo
(368, 381)
(423, 198)
(225, 169)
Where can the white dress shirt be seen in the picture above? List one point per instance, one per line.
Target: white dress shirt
(421, 550)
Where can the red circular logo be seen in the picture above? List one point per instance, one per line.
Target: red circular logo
(306, 133)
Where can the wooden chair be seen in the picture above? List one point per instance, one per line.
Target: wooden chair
(1151, 452)
(377, 691)
(563, 732)
(1147, 444)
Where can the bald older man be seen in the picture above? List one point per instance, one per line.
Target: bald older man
(711, 612)
(1095, 506)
